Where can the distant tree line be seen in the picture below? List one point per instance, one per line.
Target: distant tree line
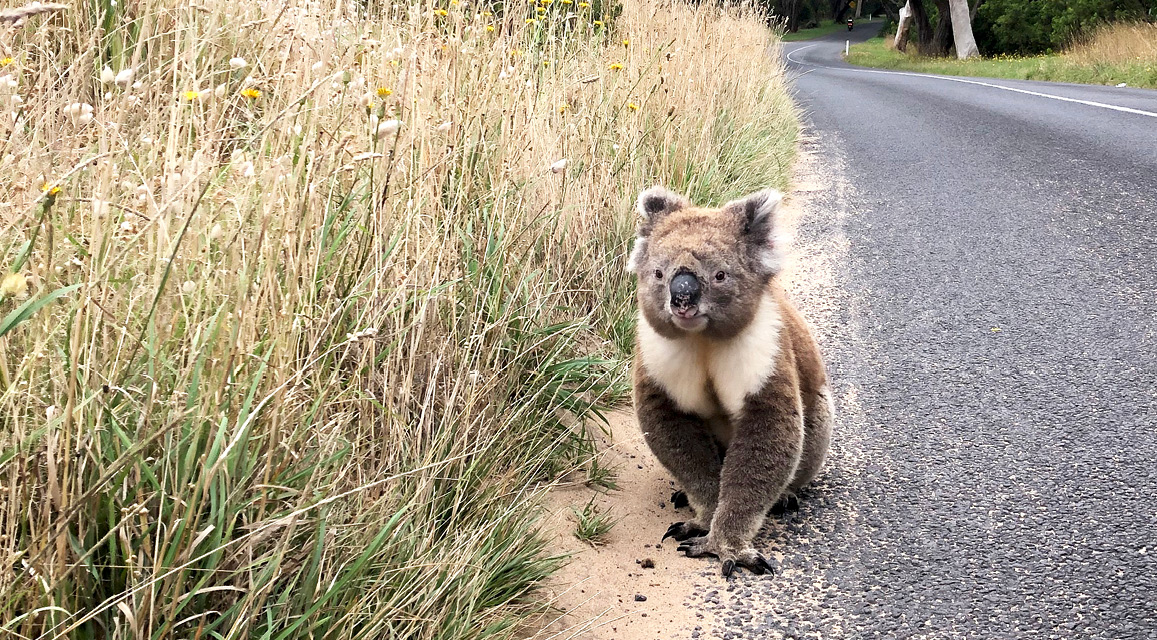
(1000, 26)
(804, 14)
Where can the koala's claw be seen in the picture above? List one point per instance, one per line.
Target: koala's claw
(749, 559)
(679, 500)
(698, 547)
(785, 504)
(682, 531)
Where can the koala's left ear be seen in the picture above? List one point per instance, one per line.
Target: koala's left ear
(758, 213)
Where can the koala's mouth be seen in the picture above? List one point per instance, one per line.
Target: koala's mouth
(689, 320)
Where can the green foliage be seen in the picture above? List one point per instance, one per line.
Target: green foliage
(1045, 26)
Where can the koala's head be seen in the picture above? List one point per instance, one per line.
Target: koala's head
(704, 271)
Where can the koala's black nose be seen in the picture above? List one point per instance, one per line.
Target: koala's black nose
(684, 290)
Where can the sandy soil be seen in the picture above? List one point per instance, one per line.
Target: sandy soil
(598, 589)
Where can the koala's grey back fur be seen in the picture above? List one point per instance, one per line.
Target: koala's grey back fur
(730, 388)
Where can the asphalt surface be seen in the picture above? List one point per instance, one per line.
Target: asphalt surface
(981, 267)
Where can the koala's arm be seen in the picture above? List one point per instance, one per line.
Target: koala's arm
(684, 445)
(760, 463)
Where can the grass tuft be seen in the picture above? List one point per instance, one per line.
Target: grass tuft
(592, 526)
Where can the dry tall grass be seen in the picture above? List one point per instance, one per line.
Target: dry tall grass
(1118, 43)
(297, 296)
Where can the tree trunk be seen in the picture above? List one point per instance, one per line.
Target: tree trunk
(923, 26)
(843, 10)
(902, 26)
(892, 11)
(962, 30)
(942, 34)
(975, 6)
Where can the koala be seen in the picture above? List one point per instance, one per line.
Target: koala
(729, 386)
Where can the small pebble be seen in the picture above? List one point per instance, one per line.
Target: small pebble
(647, 563)
(640, 597)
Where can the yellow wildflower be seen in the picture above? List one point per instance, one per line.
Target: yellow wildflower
(49, 189)
(384, 92)
(531, 21)
(516, 52)
(615, 66)
(441, 12)
(4, 62)
(632, 106)
(598, 23)
(192, 95)
(546, 63)
(487, 14)
(541, 9)
(584, 5)
(490, 28)
(251, 93)
(567, 1)
(562, 108)
(626, 42)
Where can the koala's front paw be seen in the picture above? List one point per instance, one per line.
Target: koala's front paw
(684, 530)
(750, 559)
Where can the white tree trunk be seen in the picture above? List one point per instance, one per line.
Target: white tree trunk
(962, 30)
(905, 23)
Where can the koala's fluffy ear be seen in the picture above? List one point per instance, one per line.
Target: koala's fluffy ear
(758, 212)
(652, 205)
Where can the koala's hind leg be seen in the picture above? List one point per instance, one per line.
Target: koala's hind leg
(686, 447)
(819, 414)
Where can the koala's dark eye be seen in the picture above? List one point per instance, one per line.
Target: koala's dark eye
(658, 274)
(720, 277)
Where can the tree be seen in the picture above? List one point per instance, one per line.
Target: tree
(903, 24)
(962, 30)
(951, 26)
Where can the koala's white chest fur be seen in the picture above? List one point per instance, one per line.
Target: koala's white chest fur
(713, 378)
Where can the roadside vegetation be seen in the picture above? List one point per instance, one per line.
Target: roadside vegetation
(1114, 54)
(304, 304)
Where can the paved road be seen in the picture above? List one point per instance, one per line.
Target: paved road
(982, 266)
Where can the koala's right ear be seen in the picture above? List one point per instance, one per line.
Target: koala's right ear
(652, 205)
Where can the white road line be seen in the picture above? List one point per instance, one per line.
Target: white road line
(1089, 103)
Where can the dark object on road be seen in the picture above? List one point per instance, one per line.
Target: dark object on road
(647, 563)
(640, 597)
(679, 500)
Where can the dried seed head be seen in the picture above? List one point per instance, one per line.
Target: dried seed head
(388, 127)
